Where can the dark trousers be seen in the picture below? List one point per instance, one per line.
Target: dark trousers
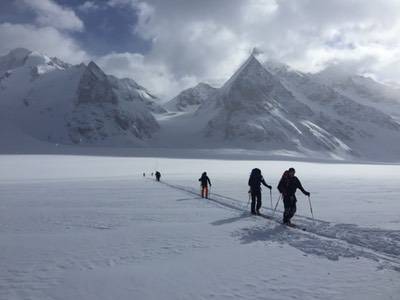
(255, 201)
(204, 191)
(289, 203)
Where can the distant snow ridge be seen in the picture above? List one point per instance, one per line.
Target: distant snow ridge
(191, 98)
(107, 108)
(268, 107)
(129, 90)
(53, 101)
(362, 89)
(274, 108)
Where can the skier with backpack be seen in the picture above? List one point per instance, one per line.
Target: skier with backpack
(158, 176)
(204, 181)
(287, 187)
(255, 181)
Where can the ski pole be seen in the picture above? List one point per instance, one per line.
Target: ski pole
(270, 197)
(276, 205)
(309, 201)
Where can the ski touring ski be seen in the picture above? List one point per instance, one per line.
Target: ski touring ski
(291, 225)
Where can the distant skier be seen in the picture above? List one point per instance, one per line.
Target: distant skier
(152, 174)
(158, 176)
(204, 181)
(287, 187)
(255, 181)
(144, 174)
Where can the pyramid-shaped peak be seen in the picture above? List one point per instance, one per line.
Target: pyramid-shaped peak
(93, 66)
(96, 71)
(251, 62)
(251, 70)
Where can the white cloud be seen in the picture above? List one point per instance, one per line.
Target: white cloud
(115, 3)
(88, 6)
(153, 76)
(208, 39)
(47, 40)
(192, 52)
(49, 13)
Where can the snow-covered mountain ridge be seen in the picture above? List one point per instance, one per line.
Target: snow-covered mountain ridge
(273, 107)
(52, 101)
(267, 107)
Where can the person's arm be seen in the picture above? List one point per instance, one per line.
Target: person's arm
(301, 188)
(265, 184)
(208, 179)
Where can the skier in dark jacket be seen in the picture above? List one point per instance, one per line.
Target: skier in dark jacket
(204, 182)
(158, 176)
(255, 181)
(287, 187)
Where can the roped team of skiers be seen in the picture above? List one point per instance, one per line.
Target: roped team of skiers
(287, 187)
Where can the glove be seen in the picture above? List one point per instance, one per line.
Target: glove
(308, 194)
(270, 187)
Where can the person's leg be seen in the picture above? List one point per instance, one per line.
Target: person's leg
(202, 191)
(293, 208)
(253, 202)
(259, 203)
(206, 191)
(286, 213)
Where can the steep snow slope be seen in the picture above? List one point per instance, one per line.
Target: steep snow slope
(129, 90)
(191, 98)
(362, 89)
(52, 101)
(362, 127)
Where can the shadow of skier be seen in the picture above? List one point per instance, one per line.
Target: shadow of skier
(231, 220)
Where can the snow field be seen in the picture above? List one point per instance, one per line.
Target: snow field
(80, 227)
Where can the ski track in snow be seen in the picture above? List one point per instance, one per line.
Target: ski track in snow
(67, 233)
(320, 238)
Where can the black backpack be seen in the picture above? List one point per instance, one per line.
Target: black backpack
(255, 177)
(284, 182)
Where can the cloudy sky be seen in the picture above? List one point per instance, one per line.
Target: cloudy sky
(168, 45)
